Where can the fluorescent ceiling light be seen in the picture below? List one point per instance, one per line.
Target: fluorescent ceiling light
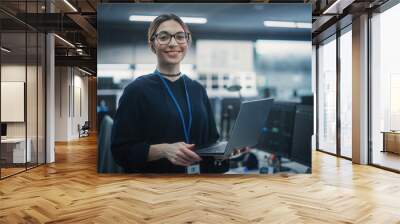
(70, 5)
(338, 6)
(84, 71)
(304, 25)
(284, 24)
(331, 7)
(5, 49)
(139, 18)
(64, 40)
(197, 20)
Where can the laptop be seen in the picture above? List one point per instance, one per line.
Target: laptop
(245, 132)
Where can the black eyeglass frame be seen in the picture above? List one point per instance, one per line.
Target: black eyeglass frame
(187, 36)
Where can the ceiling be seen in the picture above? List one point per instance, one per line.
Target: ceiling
(225, 21)
(229, 20)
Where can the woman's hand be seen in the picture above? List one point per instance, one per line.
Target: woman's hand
(181, 154)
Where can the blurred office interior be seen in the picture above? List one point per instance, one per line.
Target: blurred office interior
(235, 58)
(50, 47)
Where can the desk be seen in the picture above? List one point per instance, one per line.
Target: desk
(391, 141)
(13, 150)
(292, 167)
(287, 166)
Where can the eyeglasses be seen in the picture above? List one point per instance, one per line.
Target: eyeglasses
(165, 37)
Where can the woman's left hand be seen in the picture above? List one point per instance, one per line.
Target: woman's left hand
(240, 151)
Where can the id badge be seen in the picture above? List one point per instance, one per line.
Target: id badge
(193, 169)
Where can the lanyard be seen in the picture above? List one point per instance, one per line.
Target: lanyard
(186, 129)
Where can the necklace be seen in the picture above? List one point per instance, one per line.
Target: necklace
(171, 75)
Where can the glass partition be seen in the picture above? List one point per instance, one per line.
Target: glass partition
(385, 89)
(31, 97)
(41, 109)
(327, 96)
(22, 91)
(13, 105)
(346, 93)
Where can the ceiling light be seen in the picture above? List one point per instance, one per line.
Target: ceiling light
(337, 7)
(284, 24)
(196, 20)
(140, 18)
(70, 5)
(84, 71)
(65, 41)
(5, 50)
(137, 18)
(304, 25)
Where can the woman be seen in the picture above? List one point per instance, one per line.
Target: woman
(163, 116)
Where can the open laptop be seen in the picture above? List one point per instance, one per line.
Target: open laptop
(245, 132)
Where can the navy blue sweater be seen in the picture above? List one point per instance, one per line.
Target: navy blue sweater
(147, 115)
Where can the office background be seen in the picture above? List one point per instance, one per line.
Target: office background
(340, 189)
(234, 47)
(22, 78)
(333, 52)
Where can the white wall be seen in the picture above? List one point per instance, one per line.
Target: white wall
(61, 103)
(33, 126)
(80, 89)
(13, 73)
(70, 83)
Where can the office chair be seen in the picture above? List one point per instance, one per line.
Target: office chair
(84, 129)
(105, 160)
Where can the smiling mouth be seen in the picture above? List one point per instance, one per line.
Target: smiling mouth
(172, 53)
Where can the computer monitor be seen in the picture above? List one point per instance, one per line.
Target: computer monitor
(3, 129)
(278, 130)
(307, 100)
(302, 134)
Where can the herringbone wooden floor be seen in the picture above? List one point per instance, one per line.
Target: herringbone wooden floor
(70, 191)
